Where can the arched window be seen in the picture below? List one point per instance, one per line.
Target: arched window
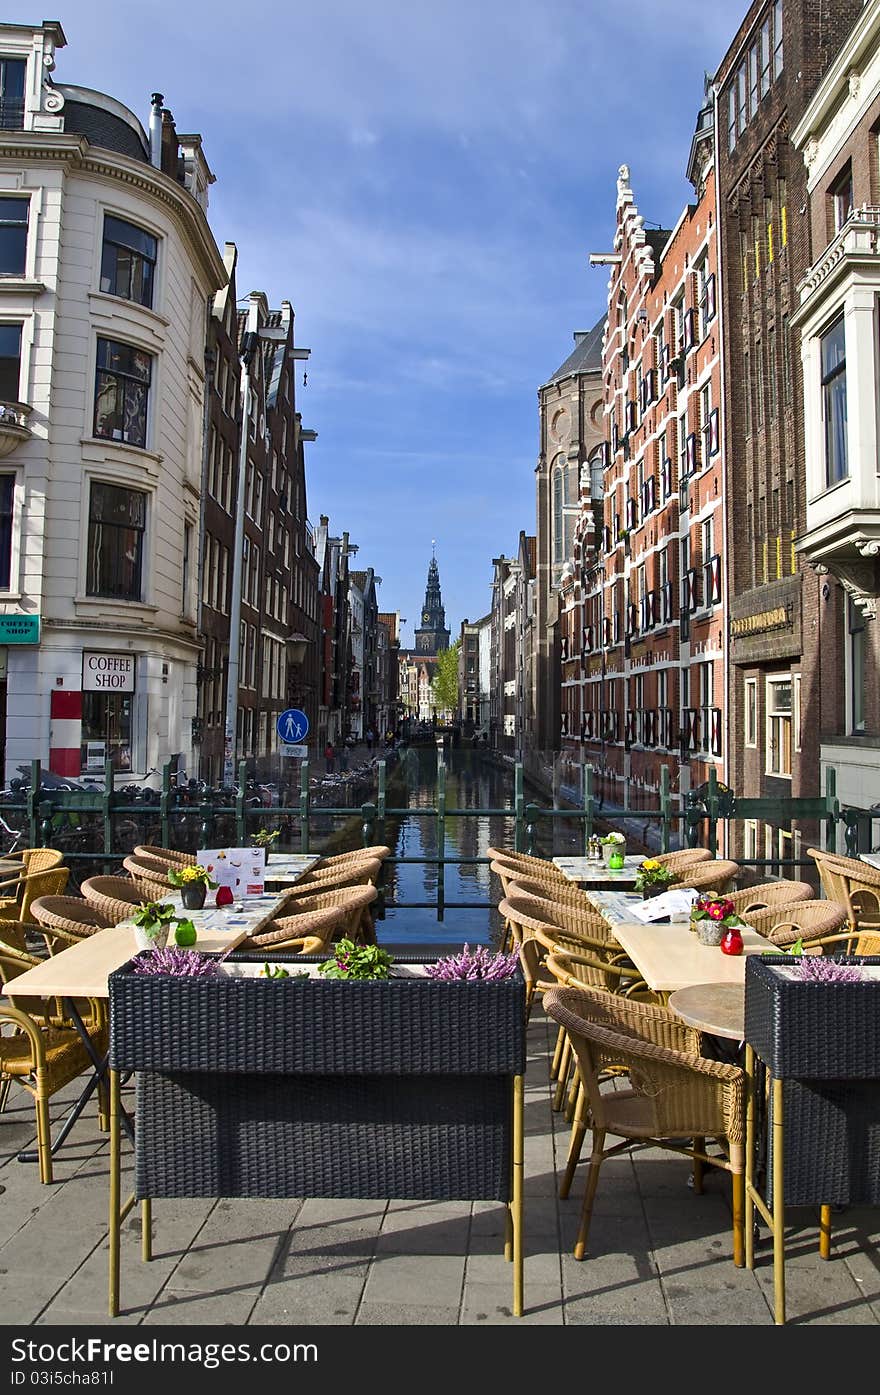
(597, 488)
(565, 507)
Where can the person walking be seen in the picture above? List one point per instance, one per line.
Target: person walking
(370, 739)
(329, 758)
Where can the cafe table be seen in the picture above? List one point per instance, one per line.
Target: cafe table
(587, 872)
(715, 1008)
(670, 957)
(283, 869)
(615, 906)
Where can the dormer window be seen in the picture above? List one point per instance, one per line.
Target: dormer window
(12, 79)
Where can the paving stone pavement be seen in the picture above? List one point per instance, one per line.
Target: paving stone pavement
(660, 1255)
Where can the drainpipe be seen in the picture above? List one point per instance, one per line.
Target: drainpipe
(727, 724)
(156, 100)
(232, 675)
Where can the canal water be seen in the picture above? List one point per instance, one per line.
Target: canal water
(416, 881)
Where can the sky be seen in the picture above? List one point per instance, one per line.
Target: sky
(424, 180)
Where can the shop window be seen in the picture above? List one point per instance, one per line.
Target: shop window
(13, 236)
(128, 261)
(117, 522)
(106, 730)
(122, 392)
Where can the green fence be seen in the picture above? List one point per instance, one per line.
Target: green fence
(87, 825)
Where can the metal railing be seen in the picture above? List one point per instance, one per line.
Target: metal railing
(85, 825)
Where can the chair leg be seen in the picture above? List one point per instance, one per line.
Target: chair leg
(44, 1136)
(824, 1232)
(4, 1093)
(580, 1244)
(571, 1103)
(562, 1077)
(738, 1205)
(578, 1134)
(557, 1053)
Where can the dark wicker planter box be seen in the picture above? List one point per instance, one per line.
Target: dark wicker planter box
(823, 1042)
(254, 1087)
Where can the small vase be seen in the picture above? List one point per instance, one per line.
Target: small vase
(649, 891)
(224, 896)
(733, 941)
(615, 860)
(710, 932)
(155, 938)
(192, 895)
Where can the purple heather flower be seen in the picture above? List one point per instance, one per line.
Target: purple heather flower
(474, 964)
(815, 969)
(182, 963)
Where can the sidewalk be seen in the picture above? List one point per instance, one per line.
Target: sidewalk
(660, 1256)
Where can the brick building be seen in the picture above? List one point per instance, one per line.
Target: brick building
(646, 645)
(782, 629)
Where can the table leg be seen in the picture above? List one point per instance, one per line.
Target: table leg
(778, 1205)
(748, 1207)
(115, 1198)
(517, 1199)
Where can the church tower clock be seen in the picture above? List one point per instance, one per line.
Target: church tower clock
(432, 635)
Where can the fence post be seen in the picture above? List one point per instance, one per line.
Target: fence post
(241, 829)
(108, 807)
(441, 842)
(832, 804)
(45, 834)
(712, 806)
(304, 807)
(206, 804)
(518, 808)
(665, 809)
(533, 813)
(852, 818)
(33, 801)
(164, 801)
(587, 801)
(381, 798)
(692, 819)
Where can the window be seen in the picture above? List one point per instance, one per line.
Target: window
(751, 712)
(771, 371)
(754, 72)
(741, 98)
(786, 363)
(857, 669)
(706, 422)
(12, 78)
(842, 198)
(122, 391)
(706, 541)
(7, 502)
(13, 236)
(10, 363)
(187, 551)
(777, 39)
(564, 512)
(705, 297)
(779, 724)
(765, 57)
(759, 381)
(747, 394)
(731, 119)
(782, 193)
(106, 722)
(128, 261)
(750, 840)
(114, 564)
(833, 370)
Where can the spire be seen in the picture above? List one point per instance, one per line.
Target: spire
(432, 635)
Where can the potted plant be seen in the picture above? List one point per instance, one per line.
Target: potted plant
(265, 838)
(152, 922)
(193, 883)
(352, 960)
(652, 878)
(714, 918)
(615, 842)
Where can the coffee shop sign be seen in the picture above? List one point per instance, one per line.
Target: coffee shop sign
(108, 673)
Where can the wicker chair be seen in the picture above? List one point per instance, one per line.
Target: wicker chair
(309, 933)
(115, 897)
(70, 917)
(781, 893)
(149, 876)
(800, 920)
(377, 851)
(713, 875)
(171, 857)
(565, 893)
(353, 902)
(682, 857)
(50, 882)
(365, 872)
(581, 919)
(675, 1100)
(852, 883)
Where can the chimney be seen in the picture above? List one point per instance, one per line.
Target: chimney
(156, 101)
(325, 520)
(170, 149)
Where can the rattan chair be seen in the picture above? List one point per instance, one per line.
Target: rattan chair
(312, 928)
(852, 883)
(171, 857)
(376, 852)
(565, 893)
(714, 875)
(354, 903)
(50, 882)
(781, 893)
(801, 920)
(581, 919)
(364, 872)
(675, 1098)
(682, 857)
(115, 897)
(70, 917)
(149, 876)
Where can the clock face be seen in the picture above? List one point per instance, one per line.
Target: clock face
(426, 618)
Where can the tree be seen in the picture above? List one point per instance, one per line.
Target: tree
(444, 685)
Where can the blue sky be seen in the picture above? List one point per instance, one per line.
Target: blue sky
(424, 181)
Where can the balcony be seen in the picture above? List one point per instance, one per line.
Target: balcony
(13, 426)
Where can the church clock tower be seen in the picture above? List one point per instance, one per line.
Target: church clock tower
(432, 635)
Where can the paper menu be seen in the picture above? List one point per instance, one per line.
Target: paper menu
(243, 870)
(671, 905)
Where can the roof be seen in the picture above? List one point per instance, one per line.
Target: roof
(657, 239)
(359, 579)
(586, 357)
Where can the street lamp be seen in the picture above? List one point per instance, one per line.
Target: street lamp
(296, 648)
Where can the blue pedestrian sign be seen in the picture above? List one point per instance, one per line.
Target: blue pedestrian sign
(293, 726)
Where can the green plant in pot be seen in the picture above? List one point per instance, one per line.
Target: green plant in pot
(714, 918)
(265, 838)
(356, 961)
(615, 843)
(652, 878)
(152, 923)
(193, 883)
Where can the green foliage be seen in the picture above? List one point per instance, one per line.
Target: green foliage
(444, 686)
(151, 914)
(356, 961)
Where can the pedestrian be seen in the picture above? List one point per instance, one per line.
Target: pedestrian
(370, 739)
(329, 758)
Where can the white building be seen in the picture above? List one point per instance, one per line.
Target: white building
(107, 264)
